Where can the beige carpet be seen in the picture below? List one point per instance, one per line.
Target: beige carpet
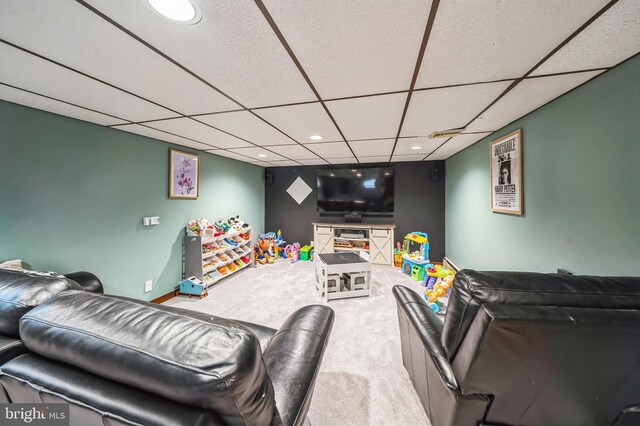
(362, 380)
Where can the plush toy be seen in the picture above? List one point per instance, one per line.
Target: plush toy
(258, 255)
(265, 245)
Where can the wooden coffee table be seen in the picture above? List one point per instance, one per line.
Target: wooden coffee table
(341, 263)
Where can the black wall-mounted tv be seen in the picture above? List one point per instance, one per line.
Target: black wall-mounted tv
(362, 191)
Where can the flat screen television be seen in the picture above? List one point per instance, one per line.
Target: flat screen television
(361, 191)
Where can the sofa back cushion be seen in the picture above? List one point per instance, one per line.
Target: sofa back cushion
(21, 291)
(471, 289)
(215, 364)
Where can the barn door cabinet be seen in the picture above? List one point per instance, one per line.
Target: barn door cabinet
(373, 242)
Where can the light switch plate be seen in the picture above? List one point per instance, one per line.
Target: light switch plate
(148, 285)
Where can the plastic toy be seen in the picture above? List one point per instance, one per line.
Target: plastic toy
(397, 255)
(437, 294)
(292, 252)
(192, 286)
(415, 250)
(417, 273)
(305, 252)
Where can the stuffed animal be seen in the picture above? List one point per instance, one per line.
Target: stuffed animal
(258, 255)
(265, 245)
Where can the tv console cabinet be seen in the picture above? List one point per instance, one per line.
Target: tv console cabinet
(334, 237)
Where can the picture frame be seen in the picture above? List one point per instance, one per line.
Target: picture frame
(505, 156)
(184, 175)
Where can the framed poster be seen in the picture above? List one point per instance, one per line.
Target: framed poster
(184, 174)
(506, 174)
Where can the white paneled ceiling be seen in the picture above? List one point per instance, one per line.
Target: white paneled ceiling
(252, 80)
(525, 97)
(247, 126)
(369, 118)
(386, 34)
(487, 40)
(443, 109)
(611, 39)
(302, 121)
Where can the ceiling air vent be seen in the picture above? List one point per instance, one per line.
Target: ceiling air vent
(446, 133)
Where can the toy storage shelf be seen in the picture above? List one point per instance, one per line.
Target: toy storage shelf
(203, 263)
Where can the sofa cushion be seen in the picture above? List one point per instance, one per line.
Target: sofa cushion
(21, 291)
(472, 289)
(215, 364)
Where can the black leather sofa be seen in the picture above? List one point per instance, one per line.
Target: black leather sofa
(120, 361)
(526, 349)
(21, 291)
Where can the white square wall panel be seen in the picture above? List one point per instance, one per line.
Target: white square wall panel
(294, 152)
(302, 121)
(52, 28)
(373, 117)
(370, 148)
(450, 108)
(21, 97)
(29, 72)
(331, 149)
(232, 47)
(607, 41)
(525, 97)
(246, 126)
(192, 129)
(160, 135)
(352, 47)
(487, 40)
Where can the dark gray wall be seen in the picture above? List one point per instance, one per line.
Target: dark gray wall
(419, 203)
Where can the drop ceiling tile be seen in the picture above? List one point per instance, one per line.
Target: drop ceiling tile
(488, 40)
(262, 164)
(525, 97)
(256, 152)
(343, 160)
(438, 156)
(331, 149)
(232, 155)
(370, 148)
(162, 136)
(313, 162)
(402, 158)
(295, 152)
(450, 108)
(232, 47)
(21, 97)
(372, 117)
(405, 145)
(285, 163)
(382, 159)
(192, 129)
(247, 126)
(105, 52)
(302, 121)
(609, 40)
(26, 71)
(372, 46)
(459, 143)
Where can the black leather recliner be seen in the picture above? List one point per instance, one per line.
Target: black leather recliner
(121, 361)
(526, 349)
(21, 291)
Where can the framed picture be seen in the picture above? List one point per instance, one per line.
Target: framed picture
(184, 174)
(506, 174)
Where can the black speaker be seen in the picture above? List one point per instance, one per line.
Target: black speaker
(268, 177)
(435, 174)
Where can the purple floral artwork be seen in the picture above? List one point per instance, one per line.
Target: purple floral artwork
(184, 171)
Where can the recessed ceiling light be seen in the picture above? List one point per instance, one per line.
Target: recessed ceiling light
(182, 11)
(416, 147)
(316, 137)
(332, 174)
(353, 170)
(359, 174)
(262, 155)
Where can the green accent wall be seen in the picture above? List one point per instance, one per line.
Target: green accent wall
(581, 166)
(73, 194)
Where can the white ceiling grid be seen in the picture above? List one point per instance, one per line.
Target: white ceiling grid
(240, 83)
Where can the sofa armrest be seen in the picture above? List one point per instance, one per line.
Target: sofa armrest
(429, 327)
(293, 359)
(87, 281)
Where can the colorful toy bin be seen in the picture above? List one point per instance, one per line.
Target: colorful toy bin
(416, 248)
(305, 252)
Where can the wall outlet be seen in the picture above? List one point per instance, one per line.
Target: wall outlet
(148, 285)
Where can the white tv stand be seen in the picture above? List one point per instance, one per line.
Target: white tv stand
(379, 238)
